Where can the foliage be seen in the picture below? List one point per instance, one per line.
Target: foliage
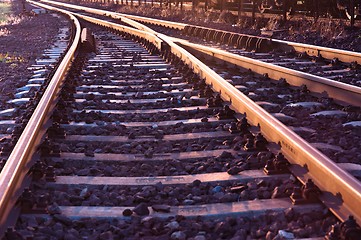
(4, 11)
(8, 58)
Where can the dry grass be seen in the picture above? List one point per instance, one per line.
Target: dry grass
(4, 11)
(10, 58)
(11, 20)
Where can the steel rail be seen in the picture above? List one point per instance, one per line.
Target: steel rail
(345, 93)
(325, 52)
(340, 91)
(150, 36)
(168, 24)
(17, 165)
(110, 14)
(341, 191)
(312, 50)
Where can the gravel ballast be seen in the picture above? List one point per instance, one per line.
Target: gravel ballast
(23, 39)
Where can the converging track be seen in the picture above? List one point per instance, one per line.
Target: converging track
(319, 68)
(144, 141)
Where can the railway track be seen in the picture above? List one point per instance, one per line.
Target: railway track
(350, 95)
(320, 85)
(143, 140)
(334, 64)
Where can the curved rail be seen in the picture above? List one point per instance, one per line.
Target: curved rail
(17, 165)
(342, 92)
(343, 196)
(341, 191)
(312, 50)
(140, 33)
(168, 24)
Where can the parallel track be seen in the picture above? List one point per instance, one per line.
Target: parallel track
(328, 53)
(316, 78)
(296, 79)
(136, 135)
(14, 173)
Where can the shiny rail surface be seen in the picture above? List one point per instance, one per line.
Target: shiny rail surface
(318, 166)
(345, 93)
(342, 92)
(17, 165)
(312, 50)
(341, 191)
(301, 153)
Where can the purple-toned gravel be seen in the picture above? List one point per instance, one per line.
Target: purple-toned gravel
(25, 40)
(172, 195)
(266, 226)
(323, 32)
